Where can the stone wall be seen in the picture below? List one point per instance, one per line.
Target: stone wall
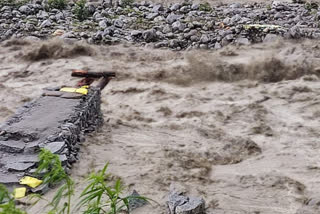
(56, 121)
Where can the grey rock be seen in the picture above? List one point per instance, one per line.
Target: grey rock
(171, 18)
(103, 24)
(46, 23)
(270, 37)
(175, 7)
(9, 178)
(178, 203)
(25, 10)
(217, 45)
(194, 38)
(242, 41)
(295, 32)
(69, 35)
(235, 5)
(41, 189)
(135, 202)
(151, 16)
(278, 15)
(59, 16)
(161, 44)
(174, 43)
(42, 15)
(12, 146)
(136, 33)
(193, 206)
(19, 167)
(204, 39)
(184, 9)
(149, 35)
(229, 37)
(235, 18)
(167, 29)
(118, 23)
(178, 26)
(195, 6)
(157, 8)
(55, 147)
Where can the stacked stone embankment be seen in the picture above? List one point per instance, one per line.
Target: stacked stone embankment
(56, 121)
(178, 26)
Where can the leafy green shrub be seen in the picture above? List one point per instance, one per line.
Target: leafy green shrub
(13, 3)
(311, 5)
(99, 197)
(7, 204)
(205, 7)
(57, 4)
(127, 3)
(50, 165)
(81, 11)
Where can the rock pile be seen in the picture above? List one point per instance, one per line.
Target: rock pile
(179, 26)
(56, 122)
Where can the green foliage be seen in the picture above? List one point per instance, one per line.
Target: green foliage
(57, 4)
(127, 3)
(50, 165)
(13, 3)
(311, 5)
(80, 10)
(100, 198)
(7, 204)
(268, 7)
(205, 7)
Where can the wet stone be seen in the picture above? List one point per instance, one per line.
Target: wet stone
(19, 167)
(12, 146)
(8, 178)
(55, 147)
(178, 203)
(43, 188)
(135, 203)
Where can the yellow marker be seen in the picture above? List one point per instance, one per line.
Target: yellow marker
(30, 181)
(20, 192)
(75, 90)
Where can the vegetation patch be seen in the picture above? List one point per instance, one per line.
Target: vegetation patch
(81, 11)
(99, 197)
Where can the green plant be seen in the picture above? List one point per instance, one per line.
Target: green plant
(81, 11)
(13, 3)
(51, 166)
(98, 197)
(7, 204)
(268, 7)
(311, 5)
(205, 7)
(127, 3)
(57, 4)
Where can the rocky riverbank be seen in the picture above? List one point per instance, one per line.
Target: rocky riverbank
(177, 26)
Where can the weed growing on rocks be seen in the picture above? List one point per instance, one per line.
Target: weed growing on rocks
(205, 7)
(81, 11)
(99, 197)
(7, 204)
(57, 4)
(54, 173)
(13, 3)
(127, 3)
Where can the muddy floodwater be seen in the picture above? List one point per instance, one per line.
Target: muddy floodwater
(239, 126)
